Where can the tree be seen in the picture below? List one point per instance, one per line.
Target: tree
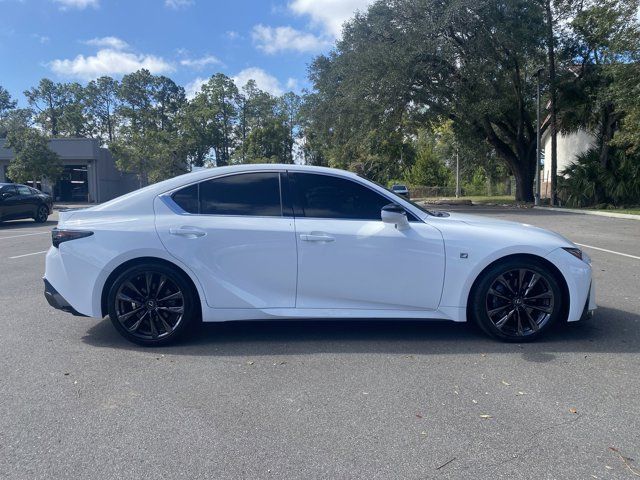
(47, 99)
(149, 141)
(269, 143)
(429, 168)
(102, 103)
(220, 96)
(7, 109)
(33, 160)
(6, 102)
(408, 61)
(289, 106)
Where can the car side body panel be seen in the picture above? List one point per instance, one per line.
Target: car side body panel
(125, 229)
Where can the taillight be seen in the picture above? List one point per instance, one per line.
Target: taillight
(58, 236)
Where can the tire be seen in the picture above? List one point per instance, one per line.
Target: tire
(42, 214)
(152, 304)
(517, 300)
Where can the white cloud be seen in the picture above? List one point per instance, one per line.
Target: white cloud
(108, 62)
(114, 43)
(200, 63)
(292, 84)
(329, 14)
(277, 39)
(79, 4)
(194, 86)
(41, 38)
(232, 34)
(176, 4)
(264, 80)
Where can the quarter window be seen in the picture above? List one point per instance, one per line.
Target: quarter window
(255, 194)
(326, 196)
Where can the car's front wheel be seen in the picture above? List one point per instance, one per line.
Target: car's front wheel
(42, 213)
(152, 304)
(517, 300)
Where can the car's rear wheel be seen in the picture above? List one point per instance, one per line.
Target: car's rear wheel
(517, 300)
(42, 213)
(152, 304)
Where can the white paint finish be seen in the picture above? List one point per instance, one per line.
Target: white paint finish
(242, 262)
(369, 265)
(249, 267)
(609, 251)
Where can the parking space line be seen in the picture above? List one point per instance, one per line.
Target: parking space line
(609, 251)
(26, 235)
(28, 254)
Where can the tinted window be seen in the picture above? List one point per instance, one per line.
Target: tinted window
(256, 194)
(187, 199)
(23, 190)
(325, 196)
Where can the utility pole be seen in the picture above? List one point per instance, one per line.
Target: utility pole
(457, 173)
(538, 138)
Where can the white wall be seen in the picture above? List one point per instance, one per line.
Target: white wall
(569, 146)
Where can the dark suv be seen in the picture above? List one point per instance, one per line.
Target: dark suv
(19, 201)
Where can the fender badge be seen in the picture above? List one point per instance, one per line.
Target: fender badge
(464, 255)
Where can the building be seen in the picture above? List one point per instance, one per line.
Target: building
(569, 147)
(89, 172)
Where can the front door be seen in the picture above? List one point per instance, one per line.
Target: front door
(348, 258)
(232, 233)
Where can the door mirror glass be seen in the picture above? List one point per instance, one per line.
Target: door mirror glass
(395, 215)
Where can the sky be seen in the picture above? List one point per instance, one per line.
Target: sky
(271, 41)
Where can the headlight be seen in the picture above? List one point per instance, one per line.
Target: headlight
(576, 252)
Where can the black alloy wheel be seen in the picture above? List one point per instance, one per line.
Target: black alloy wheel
(151, 304)
(42, 213)
(517, 300)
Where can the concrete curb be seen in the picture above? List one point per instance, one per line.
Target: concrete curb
(627, 216)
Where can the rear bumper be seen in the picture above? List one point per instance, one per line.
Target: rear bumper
(58, 301)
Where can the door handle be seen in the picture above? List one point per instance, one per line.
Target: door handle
(188, 232)
(316, 237)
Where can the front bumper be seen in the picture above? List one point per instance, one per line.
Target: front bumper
(57, 301)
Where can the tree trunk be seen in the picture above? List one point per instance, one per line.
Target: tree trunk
(553, 95)
(524, 183)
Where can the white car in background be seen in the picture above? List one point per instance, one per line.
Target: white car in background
(291, 242)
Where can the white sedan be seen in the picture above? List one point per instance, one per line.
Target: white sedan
(290, 242)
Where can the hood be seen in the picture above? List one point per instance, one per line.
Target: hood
(503, 230)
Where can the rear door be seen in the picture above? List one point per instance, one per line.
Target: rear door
(349, 258)
(231, 231)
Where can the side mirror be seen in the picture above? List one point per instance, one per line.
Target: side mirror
(6, 195)
(395, 215)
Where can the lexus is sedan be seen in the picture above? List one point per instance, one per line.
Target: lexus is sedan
(20, 201)
(291, 242)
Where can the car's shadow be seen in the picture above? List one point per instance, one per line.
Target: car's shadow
(610, 331)
(28, 223)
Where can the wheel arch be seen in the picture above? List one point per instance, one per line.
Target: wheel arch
(555, 271)
(140, 261)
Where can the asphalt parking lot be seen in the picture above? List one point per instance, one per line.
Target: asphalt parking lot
(327, 400)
